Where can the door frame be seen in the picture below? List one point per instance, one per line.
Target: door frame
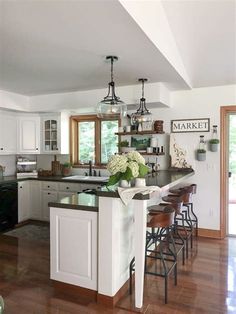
(224, 111)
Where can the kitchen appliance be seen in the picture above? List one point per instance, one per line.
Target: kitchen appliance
(8, 206)
(26, 168)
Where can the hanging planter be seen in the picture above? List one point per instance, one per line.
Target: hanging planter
(201, 154)
(213, 144)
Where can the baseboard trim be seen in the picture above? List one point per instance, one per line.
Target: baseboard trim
(73, 291)
(209, 233)
(112, 301)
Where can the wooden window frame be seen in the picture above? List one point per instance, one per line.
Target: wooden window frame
(74, 140)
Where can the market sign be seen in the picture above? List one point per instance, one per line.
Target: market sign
(190, 125)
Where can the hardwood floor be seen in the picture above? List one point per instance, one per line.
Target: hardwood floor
(206, 284)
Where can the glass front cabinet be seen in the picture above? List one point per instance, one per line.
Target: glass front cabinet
(50, 136)
(55, 133)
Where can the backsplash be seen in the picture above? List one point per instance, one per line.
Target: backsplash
(9, 162)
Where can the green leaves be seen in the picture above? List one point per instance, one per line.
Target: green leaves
(114, 179)
(127, 175)
(143, 170)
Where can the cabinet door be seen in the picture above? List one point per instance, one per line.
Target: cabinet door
(29, 135)
(23, 201)
(50, 135)
(73, 242)
(47, 196)
(35, 200)
(8, 131)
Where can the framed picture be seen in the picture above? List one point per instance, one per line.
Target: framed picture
(190, 125)
(140, 142)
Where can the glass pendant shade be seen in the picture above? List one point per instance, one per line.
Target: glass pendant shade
(111, 105)
(142, 114)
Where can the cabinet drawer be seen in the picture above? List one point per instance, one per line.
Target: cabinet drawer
(69, 187)
(47, 185)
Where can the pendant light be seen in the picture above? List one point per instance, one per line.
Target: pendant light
(111, 105)
(142, 114)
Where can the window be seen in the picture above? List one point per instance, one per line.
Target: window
(93, 139)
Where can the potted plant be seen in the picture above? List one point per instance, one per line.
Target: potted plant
(124, 168)
(201, 154)
(123, 145)
(66, 169)
(213, 144)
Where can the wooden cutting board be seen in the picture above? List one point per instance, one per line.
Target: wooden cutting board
(56, 167)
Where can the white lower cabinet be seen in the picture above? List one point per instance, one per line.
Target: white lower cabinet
(73, 247)
(35, 211)
(23, 200)
(47, 196)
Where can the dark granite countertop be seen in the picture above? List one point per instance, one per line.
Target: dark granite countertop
(81, 201)
(162, 178)
(12, 179)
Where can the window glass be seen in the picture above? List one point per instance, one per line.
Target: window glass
(109, 140)
(86, 139)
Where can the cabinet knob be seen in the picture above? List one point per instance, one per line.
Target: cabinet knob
(56, 148)
(48, 186)
(20, 187)
(37, 149)
(49, 193)
(67, 187)
(1, 148)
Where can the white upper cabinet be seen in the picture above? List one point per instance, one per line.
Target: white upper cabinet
(29, 135)
(55, 133)
(8, 131)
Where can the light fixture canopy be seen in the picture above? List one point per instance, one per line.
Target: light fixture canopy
(111, 105)
(142, 114)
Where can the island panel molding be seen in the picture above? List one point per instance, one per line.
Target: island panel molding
(190, 125)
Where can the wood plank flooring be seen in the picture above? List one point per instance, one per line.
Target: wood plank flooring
(206, 284)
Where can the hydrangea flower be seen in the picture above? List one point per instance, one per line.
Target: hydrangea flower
(117, 163)
(134, 167)
(126, 167)
(135, 156)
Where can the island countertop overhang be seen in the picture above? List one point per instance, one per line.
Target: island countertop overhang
(82, 201)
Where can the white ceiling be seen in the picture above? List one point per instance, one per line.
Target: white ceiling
(60, 46)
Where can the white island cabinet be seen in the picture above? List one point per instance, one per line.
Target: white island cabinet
(73, 236)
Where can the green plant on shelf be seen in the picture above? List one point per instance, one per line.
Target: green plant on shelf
(214, 141)
(201, 151)
(124, 143)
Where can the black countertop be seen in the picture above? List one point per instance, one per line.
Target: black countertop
(81, 201)
(12, 179)
(162, 178)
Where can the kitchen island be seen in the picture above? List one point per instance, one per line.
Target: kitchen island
(121, 234)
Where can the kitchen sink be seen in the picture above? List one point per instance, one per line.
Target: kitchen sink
(87, 178)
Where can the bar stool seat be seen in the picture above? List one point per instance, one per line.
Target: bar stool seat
(160, 255)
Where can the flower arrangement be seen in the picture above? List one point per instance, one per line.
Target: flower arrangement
(126, 167)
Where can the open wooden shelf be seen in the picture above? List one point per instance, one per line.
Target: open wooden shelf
(139, 133)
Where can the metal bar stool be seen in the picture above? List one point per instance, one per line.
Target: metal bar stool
(176, 203)
(160, 247)
(192, 216)
(182, 221)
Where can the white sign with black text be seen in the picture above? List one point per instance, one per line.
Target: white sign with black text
(190, 125)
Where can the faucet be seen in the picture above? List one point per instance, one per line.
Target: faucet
(90, 168)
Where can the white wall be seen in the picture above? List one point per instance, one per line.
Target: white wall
(201, 103)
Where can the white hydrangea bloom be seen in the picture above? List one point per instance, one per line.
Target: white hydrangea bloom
(134, 167)
(117, 163)
(135, 156)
